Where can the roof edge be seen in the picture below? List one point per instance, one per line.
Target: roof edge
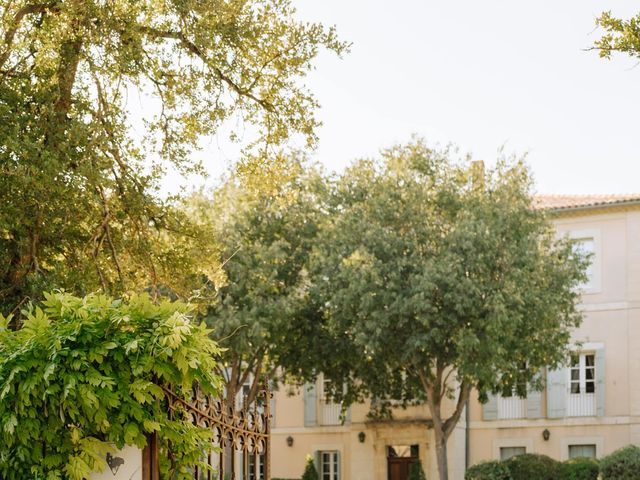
(594, 206)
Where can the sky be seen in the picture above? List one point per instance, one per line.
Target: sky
(482, 75)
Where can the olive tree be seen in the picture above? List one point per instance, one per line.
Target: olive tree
(434, 280)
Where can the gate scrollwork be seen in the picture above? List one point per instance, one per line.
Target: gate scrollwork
(245, 430)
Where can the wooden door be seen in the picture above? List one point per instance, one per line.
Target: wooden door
(399, 467)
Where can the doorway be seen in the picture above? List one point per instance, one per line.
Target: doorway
(400, 459)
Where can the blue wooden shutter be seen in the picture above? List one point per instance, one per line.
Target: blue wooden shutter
(490, 409)
(600, 384)
(534, 400)
(557, 393)
(309, 395)
(317, 460)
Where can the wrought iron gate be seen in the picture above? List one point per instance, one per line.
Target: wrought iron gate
(242, 435)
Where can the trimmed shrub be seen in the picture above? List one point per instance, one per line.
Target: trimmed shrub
(530, 466)
(416, 472)
(580, 468)
(491, 470)
(623, 464)
(310, 472)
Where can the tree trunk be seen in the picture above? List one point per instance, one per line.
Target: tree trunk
(441, 454)
(435, 389)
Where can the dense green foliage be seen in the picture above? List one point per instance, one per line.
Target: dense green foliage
(84, 373)
(530, 465)
(489, 470)
(621, 35)
(623, 464)
(580, 468)
(417, 472)
(266, 237)
(310, 471)
(99, 99)
(434, 279)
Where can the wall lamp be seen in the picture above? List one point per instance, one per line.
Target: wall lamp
(290, 441)
(546, 434)
(361, 437)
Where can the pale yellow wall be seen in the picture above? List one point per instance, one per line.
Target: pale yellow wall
(131, 469)
(611, 317)
(360, 461)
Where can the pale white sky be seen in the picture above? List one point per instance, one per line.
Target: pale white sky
(481, 75)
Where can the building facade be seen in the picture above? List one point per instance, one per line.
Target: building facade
(591, 407)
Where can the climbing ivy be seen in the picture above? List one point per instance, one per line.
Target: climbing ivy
(83, 376)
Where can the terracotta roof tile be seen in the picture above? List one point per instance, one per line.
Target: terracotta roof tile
(562, 202)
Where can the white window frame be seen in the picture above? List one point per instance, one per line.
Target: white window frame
(329, 411)
(567, 441)
(593, 284)
(333, 465)
(514, 406)
(527, 443)
(583, 402)
(520, 446)
(595, 449)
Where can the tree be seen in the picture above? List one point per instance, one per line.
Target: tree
(80, 169)
(261, 315)
(310, 472)
(435, 280)
(621, 35)
(82, 373)
(417, 472)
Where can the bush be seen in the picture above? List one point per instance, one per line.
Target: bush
(416, 472)
(491, 470)
(530, 466)
(310, 472)
(580, 468)
(84, 373)
(623, 464)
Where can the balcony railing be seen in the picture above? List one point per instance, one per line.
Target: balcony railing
(512, 407)
(581, 405)
(330, 413)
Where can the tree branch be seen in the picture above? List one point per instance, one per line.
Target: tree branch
(463, 396)
(197, 51)
(17, 20)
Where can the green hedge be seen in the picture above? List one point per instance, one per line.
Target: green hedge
(580, 469)
(531, 465)
(623, 464)
(538, 467)
(491, 470)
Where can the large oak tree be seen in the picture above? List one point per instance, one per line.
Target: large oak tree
(99, 97)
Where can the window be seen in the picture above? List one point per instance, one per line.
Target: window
(330, 412)
(403, 451)
(254, 472)
(582, 385)
(329, 466)
(583, 368)
(512, 403)
(508, 452)
(587, 246)
(588, 451)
